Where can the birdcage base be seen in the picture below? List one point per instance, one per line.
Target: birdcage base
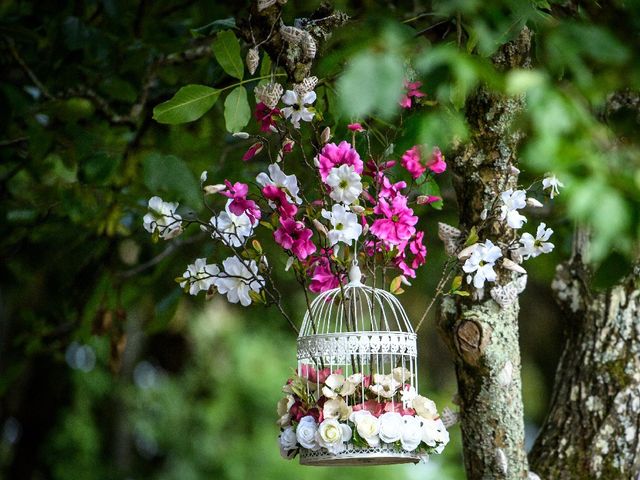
(357, 456)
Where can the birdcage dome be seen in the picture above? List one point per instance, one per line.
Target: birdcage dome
(358, 334)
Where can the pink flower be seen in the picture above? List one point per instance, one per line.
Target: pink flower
(388, 189)
(293, 235)
(323, 278)
(436, 163)
(411, 161)
(240, 203)
(265, 115)
(333, 155)
(355, 127)
(311, 375)
(397, 224)
(419, 251)
(376, 408)
(412, 91)
(253, 151)
(285, 208)
(427, 199)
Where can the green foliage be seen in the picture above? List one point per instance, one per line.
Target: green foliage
(187, 105)
(226, 48)
(237, 112)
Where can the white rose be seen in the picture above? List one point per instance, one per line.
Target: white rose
(390, 427)
(411, 432)
(367, 426)
(435, 434)
(288, 442)
(332, 434)
(336, 408)
(424, 407)
(332, 384)
(306, 433)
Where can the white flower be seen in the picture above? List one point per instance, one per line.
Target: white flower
(411, 432)
(298, 108)
(401, 374)
(288, 442)
(384, 385)
(332, 435)
(551, 182)
(435, 434)
(306, 433)
(512, 202)
(231, 228)
(346, 227)
(336, 408)
(482, 261)
(277, 178)
(424, 407)
(332, 385)
(367, 426)
(532, 247)
(238, 279)
(163, 217)
(345, 184)
(199, 276)
(390, 427)
(408, 394)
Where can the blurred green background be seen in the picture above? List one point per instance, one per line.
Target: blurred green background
(107, 370)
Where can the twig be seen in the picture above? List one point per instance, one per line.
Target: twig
(444, 279)
(27, 70)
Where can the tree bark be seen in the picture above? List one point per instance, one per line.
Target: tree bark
(593, 426)
(482, 336)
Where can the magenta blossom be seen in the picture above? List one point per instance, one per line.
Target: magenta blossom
(265, 116)
(411, 161)
(293, 235)
(397, 224)
(333, 155)
(285, 208)
(254, 149)
(388, 189)
(419, 252)
(412, 92)
(240, 204)
(355, 127)
(372, 168)
(427, 199)
(436, 163)
(323, 278)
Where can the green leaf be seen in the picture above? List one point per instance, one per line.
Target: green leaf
(265, 66)
(371, 83)
(187, 105)
(461, 293)
(167, 175)
(472, 238)
(226, 49)
(431, 188)
(213, 27)
(456, 283)
(395, 286)
(237, 112)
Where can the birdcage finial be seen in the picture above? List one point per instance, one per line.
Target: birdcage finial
(355, 275)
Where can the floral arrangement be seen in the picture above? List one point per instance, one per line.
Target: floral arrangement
(324, 410)
(354, 205)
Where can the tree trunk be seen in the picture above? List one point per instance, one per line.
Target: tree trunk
(593, 426)
(482, 336)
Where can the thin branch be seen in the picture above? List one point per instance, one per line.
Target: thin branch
(36, 81)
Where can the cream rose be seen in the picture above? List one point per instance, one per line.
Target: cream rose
(411, 432)
(332, 435)
(435, 434)
(332, 385)
(401, 374)
(390, 427)
(306, 433)
(367, 426)
(424, 407)
(336, 408)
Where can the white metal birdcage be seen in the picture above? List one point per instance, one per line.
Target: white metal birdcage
(357, 329)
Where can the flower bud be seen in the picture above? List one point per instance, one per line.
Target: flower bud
(325, 136)
(241, 135)
(532, 202)
(213, 189)
(483, 214)
(359, 209)
(319, 227)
